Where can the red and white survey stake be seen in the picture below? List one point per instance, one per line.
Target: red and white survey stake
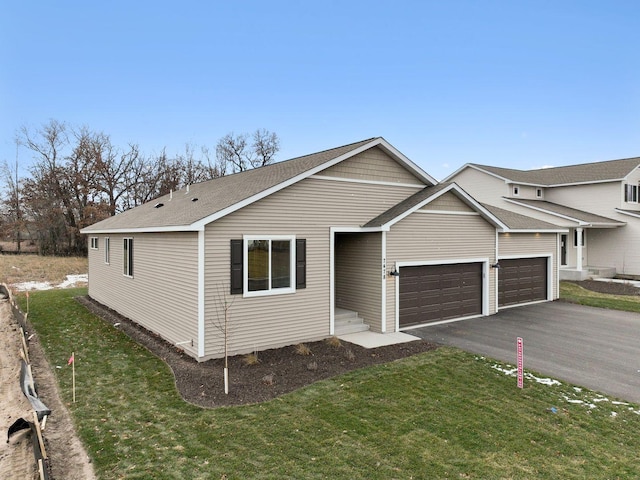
(72, 362)
(520, 362)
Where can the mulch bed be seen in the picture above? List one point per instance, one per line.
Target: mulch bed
(279, 371)
(613, 288)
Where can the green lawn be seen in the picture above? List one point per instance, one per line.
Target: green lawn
(443, 414)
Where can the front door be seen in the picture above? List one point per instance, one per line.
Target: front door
(563, 250)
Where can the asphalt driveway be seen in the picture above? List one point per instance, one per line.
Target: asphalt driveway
(592, 347)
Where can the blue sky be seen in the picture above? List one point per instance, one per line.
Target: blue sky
(521, 84)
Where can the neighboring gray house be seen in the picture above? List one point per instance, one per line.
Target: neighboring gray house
(597, 202)
(356, 237)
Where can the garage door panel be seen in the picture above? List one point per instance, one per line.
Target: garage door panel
(522, 280)
(431, 293)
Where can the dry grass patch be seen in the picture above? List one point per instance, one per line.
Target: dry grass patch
(251, 359)
(302, 349)
(34, 268)
(334, 342)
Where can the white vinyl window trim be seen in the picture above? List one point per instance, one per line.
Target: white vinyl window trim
(269, 289)
(127, 247)
(630, 193)
(94, 243)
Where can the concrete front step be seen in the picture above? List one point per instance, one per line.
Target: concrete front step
(347, 321)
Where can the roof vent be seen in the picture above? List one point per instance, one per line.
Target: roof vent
(194, 199)
(158, 205)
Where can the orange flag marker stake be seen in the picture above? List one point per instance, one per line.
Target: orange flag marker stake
(73, 375)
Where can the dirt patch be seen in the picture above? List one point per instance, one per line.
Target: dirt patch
(277, 372)
(612, 288)
(67, 458)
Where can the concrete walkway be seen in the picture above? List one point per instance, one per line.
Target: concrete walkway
(592, 347)
(374, 340)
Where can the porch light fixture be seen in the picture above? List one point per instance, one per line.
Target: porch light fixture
(394, 273)
(496, 266)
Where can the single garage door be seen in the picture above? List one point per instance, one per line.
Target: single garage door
(431, 293)
(522, 280)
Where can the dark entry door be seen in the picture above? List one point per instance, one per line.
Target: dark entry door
(431, 293)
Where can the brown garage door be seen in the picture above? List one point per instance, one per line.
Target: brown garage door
(522, 280)
(430, 293)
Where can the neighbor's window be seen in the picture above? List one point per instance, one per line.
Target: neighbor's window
(269, 265)
(539, 192)
(516, 190)
(106, 250)
(94, 243)
(575, 238)
(128, 257)
(631, 193)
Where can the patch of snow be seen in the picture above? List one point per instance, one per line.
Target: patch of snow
(29, 286)
(510, 371)
(71, 281)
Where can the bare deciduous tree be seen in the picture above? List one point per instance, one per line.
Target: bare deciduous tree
(235, 150)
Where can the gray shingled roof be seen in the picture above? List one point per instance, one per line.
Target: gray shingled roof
(407, 204)
(515, 221)
(585, 173)
(574, 213)
(213, 196)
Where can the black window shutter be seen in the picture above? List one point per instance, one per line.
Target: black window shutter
(236, 266)
(301, 263)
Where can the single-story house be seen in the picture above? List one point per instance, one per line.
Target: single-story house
(598, 203)
(355, 237)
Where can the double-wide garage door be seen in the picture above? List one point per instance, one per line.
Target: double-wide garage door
(522, 280)
(432, 293)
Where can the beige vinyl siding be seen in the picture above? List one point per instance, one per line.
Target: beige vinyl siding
(431, 237)
(162, 295)
(531, 245)
(449, 203)
(481, 186)
(358, 276)
(372, 165)
(616, 247)
(598, 198)
(307, 210)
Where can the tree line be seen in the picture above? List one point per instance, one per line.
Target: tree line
(78, 177)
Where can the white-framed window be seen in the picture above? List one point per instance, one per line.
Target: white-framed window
(94, 243)
(269, 264)
(106, 250)
(538, 192)
(516, 190)
(128, 257)
(630, 193)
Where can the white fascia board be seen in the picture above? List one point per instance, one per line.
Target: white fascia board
(449, 178)
(276, 188)
(174, 228)
(549, 212)
(419, 172)
(347, 229)
(631, 214)
(465, 196)
(532, 230)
